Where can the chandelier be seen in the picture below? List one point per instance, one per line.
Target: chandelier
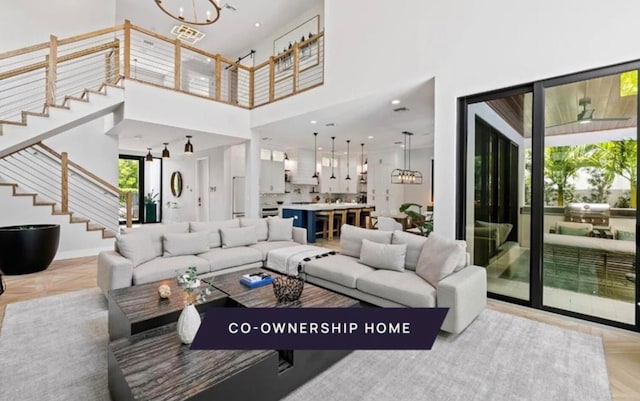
(405, 175)
(195, 12)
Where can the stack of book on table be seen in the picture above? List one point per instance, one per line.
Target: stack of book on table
(254, 280)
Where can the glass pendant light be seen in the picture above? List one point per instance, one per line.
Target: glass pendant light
(165, 151)
(347, 177)
(362, 171)
(149, 157)
(333, 141)
(188, 147)
(315, 155)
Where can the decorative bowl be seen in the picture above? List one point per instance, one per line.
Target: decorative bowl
(288, 288)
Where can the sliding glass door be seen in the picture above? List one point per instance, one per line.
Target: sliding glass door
(547, 200)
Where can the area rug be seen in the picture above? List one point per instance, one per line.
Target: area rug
(54, 348)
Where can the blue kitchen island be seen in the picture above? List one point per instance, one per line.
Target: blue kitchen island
(305, 215)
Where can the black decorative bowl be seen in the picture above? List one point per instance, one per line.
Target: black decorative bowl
(29, 248)
(288, 288)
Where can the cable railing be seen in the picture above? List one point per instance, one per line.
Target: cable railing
(57, 179)
(37, 77)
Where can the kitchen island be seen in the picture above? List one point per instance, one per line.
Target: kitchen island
(305, 215)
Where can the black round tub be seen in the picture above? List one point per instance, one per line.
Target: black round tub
(28, 248)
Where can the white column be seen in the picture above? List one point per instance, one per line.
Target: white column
(252, 176)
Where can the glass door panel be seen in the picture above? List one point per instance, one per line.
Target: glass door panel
(498, 196)
(129, 181)
(590, 183)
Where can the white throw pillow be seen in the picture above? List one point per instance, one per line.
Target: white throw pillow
(414, 247)
(185, 244)
(351, 239)
(280, 229)
(234, 237)
(138, 248)
(213, 228)
(260, 226)
(439, 258)
(383, 256)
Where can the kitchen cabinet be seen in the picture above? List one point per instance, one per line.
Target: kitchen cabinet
(271, 177)
(302, 172)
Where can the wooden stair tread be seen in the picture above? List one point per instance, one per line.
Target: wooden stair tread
(59, 106)
(24, 194)
(21, 123)
(78, 220)
(96, 91)
(44, 203)
(61, 213)
(8, 184)
(34, 113)
(108, 234)
(78, 99)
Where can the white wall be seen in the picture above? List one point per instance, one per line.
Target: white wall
(34, 20)
(469, 46)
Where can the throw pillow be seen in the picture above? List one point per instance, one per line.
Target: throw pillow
(625, 235)
(185, 244)
(439, 258)
(383, 256)
(280, 229)
(138, 247)
(234, 237)
(577, 231)
(213, 229)
(351, 239)
(260, 226)
(414, 247)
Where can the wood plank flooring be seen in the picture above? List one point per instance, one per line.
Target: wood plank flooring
(622, 348)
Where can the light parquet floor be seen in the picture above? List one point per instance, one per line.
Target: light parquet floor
(622, 348)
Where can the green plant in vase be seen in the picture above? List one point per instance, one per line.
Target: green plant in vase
(189, 321)
(150, 208)
(418, 219)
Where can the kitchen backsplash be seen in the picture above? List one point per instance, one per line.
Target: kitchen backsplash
(301, 193)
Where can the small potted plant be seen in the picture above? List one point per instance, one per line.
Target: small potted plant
(189, 320)
(417, 219)
(150, 207)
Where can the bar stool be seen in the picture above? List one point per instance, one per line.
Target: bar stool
(339, 216)
(365, 213)
(326, 217)
(353, 216)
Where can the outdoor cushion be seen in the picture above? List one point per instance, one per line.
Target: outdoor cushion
(222, 258)
(339, 269)
(414, 247)
(138, 248)
(280, 229)
(185, 244)
(626, 235)
(167, 268)
(577, 231)
(351, 239)
(156, 231)
(235, 237)
(260, 225)
(405, 288)
(213, 228)
(383, 256)
(266, 246)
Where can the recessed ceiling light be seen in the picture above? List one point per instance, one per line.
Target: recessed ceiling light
(313, 122)
(137, 137)
(344, 153)
(370, 137)
(257, 25)
(330, 124)
(266, 138)
(202, 78)
(395, 101)
(320, 148)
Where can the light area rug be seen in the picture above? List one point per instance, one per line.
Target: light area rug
(55, 348)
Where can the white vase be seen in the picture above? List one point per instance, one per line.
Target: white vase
(188, 324)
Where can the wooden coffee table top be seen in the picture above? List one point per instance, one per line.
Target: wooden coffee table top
(142, 302)
(158, 353)
(263, 297)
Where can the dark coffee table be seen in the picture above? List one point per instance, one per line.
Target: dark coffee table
(153, 364)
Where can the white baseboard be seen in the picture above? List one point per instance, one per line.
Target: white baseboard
(79, 253)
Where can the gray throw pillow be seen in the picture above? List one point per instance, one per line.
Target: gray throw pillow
(439, 258)
(259, 225)
(185, 244)
(383, 256)
(213, 229)
(234, 237)
(138, 247)
(280, 229)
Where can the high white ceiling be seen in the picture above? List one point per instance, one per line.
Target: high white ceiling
(356, 120)
(234, 34)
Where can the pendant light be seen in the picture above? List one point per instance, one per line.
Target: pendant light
(188, 147)
(333, 141)
(315, 155)
(347, 177)
(405, 175)
(165, 151)
(149, 156)
(362, 172)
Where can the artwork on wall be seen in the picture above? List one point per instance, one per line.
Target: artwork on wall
(309, 54)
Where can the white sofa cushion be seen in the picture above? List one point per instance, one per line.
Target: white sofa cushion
(266, 246)
(280, 229)
(339, 269)
(213, 229)
(260, 226)
(223, 258)
(185, 244)
(439, 258)
(383, 256)
(138, 248)
(351, 239)
(235, 237)
(165, 268)
(156, 231)
(405, 288)
(414, 247)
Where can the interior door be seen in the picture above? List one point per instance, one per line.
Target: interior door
(202, 189)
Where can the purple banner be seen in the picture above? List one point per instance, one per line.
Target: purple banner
(319, 328)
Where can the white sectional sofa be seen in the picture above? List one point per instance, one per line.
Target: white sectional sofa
(464, 291)
(156, 251)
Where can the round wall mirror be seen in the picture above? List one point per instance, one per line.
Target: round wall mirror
(176, 184)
